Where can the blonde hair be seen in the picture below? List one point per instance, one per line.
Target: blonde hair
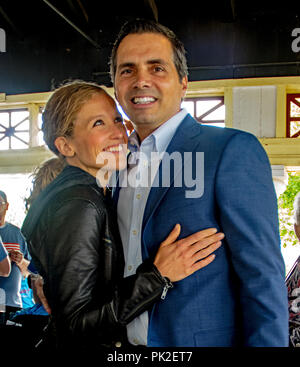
(43, 175)
(62, 108)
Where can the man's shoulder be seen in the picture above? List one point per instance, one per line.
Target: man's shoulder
(215, 131)
(221, 137)
(9, 227)
(11, 234)
(13, 226)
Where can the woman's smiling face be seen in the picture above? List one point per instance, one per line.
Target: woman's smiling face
(99, 139)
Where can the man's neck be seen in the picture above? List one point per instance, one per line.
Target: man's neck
(144, 130)
(143, 134)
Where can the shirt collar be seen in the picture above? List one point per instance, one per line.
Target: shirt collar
(162, 135)
(133, 142)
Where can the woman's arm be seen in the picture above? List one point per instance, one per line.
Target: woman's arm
(175, 260)
(71, 258)
(5, 265)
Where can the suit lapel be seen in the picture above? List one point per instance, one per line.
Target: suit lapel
(117, 177)
(184, 140)
(116, 189)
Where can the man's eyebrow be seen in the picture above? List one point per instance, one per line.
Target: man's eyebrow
(157, 61)
(126, 65)
(150, 62)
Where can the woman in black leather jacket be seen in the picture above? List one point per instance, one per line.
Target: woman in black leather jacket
(72, 232)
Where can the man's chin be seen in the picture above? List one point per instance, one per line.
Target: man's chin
(141, 116)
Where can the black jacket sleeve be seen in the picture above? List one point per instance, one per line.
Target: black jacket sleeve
(71, 254)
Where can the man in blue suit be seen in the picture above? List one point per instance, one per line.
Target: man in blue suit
(240, 299)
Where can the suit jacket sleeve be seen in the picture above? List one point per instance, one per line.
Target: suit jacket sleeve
(249, 218)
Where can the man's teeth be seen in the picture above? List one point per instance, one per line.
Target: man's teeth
(116, 148)
(143, 100)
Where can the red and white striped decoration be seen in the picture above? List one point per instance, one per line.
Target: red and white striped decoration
(12, 246)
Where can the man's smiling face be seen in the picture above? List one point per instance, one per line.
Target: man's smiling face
(147, 84)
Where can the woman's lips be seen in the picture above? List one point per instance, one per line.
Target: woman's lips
(114, 148)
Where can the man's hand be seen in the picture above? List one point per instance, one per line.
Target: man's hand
(16, 256)
(21, 262)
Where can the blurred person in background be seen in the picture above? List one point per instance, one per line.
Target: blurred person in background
(5, 265)
(16, 247)
(293, 285)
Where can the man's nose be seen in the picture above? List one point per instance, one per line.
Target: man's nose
(143, 79)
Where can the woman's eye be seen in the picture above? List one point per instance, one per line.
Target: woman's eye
(118, 120)
(98, 123)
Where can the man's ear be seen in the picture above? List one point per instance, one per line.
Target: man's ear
(64, 147)
(116, 96)
(184, 83)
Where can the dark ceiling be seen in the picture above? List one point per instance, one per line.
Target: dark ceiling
(224, 39)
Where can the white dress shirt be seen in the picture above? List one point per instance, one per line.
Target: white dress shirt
(142, 166)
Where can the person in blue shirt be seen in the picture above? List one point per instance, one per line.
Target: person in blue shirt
(4, 272)
(16, 246)
(293, 285)
(26, 294)
(4, 260)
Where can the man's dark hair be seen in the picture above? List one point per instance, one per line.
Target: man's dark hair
(140, 26)
(3, 195)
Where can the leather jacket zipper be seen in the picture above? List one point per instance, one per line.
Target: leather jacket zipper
(166, 288)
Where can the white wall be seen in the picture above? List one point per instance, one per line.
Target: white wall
(254, 110)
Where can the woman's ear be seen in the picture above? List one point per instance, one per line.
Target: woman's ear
(64, 147)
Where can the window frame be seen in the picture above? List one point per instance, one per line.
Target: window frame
(291, 97)
(10, 111)
(208, 112)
